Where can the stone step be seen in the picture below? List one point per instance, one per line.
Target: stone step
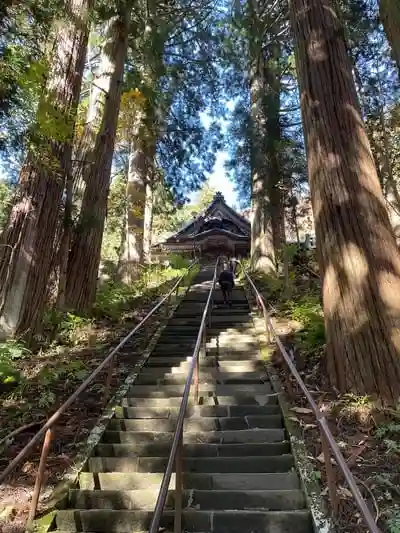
(165, 391)
(148, 378)
(160, 365)
(196, 310)
(196, 424)
(143, 481)
(212, 437)
(125, 411)
(206, 400)
(121, 521)
(240, 351)
(272, 500)
(201, 465)
(162, 449)
(215, 320)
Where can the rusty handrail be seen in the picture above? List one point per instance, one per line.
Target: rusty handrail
(327, 438)
(176, 454)
(51, 421)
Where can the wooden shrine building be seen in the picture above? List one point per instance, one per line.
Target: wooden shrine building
(219, 230)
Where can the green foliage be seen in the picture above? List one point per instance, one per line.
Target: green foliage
(10, 351)
(114, 298)
(389, 433)
(6, 194)
(269, 285)
(168, 217)
(387, 429)
(178, 262)
(393, 522)
(307, 310)
(65, 327)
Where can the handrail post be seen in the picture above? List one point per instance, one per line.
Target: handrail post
(39, 478)
(167, 302)
(178, 485)
(330, 473)
(196, 383)
(107, 386)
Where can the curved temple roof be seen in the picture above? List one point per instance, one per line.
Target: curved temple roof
(218, 218)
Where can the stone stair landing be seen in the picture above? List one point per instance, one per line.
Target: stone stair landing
(239, 473)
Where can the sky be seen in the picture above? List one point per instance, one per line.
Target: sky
(220, 181)
(218, 177)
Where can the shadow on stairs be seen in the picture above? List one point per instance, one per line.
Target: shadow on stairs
(239, 470)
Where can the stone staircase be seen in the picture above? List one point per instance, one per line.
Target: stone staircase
(239, 474)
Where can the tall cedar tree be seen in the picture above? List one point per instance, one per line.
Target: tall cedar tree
(30, 237)
(390, 17)
(84, 257)
(358, 257)
(262, 250)
(272, 81)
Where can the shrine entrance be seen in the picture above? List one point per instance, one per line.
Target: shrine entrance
(214, 246)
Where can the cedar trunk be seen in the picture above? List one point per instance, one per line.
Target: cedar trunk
(262, 249)
(148, 209)
(84, 258)
(389, 11)
(30, 238)
(273, 145)
(358, 257)
(135, 201)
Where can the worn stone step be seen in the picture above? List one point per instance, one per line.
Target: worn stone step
(143, 481)
(196, 309)
(162, 449)
(121, 521)
(213, 437)
(197, 499)
(198, 423)
(173, 378)
(205, 465)
(160, 365)
(239, 352)
(165, 391)
(205, 400)
(193, 411)
(215, 320)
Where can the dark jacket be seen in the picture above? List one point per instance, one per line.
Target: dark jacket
(226, 276)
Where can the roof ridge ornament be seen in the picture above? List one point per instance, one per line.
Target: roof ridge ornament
(219, 196)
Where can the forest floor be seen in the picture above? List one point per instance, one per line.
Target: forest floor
(368, 436)
(49, 376)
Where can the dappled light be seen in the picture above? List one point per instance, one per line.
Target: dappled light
(199, 266)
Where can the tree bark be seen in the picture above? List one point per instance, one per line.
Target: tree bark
(135, 193)
(84, 258)
(149, 205)
(273, 141)
(389, 11)
(29, 241)
(262, 250)
(358, 258)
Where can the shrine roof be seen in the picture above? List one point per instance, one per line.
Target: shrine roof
(218, 217)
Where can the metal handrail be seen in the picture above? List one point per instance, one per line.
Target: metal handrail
(46, 428)
(176, 454)
(327, 439)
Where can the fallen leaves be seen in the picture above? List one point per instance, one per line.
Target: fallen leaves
(356, 453)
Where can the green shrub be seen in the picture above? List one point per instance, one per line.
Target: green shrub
(65, 327)
(178, 262)
(9, 352)
(307, 310)
(114, 298)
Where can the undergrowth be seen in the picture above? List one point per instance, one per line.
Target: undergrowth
(307, 311)
(63, 330)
